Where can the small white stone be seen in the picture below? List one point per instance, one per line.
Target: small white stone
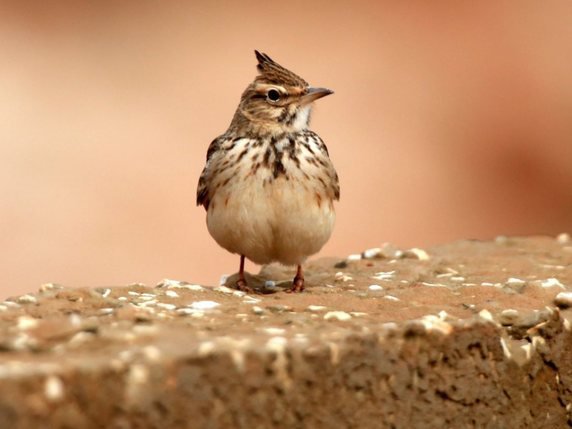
(53, 388)
(371, 253)
(501, 239)
(443, 315)
(339, 276)
(204, 305)
(206, 348)
(257, 310)
(338, 315)
(138, 374)
(563, 299)
(133, 293)
(420, 254)
(375, 287)
(122, 298)
(274, 331)
(384, 275)
(27, 299)
(563, 238)
(27, 322)
(354, 257)
(391, 298)
(49, 286)
(515, 281)
(551, 282)
(487, 284)
(440, 276)
(147, 304)
(224, 289)
(105, 311)
(152, 353)
(433, 284)
(458, 279)
(486, 314)
(171, 294)
(248, 299)
(434, 323)
(81, 337)
(106, 292)
(166, 306)
(316, 308)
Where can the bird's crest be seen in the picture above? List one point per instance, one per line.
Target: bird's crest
(273, 73)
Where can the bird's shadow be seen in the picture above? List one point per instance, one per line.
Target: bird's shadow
(265, 282)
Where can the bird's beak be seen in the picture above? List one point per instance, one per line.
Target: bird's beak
(313, 94)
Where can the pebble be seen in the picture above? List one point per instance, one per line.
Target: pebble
(49, 286)
(416, 253)
(563, 299)
(339, 276)
(204, 305)
(486, 314)
(501, 239)
(338, 315)
(257, 310)
(375, 287)
(391, 298)
(223, 289)
(383, 275)
(27, 322)
(274, 331)
(551, 282)
(433, 284)
(372, 253)
(104, 292)
(508, 317)
(172, 294)
(152, 353)
(53, 388)
(166, 306)
(354, 257)
(27, 299)
(563, 238)
(316, 308)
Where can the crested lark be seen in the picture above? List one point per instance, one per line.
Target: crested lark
(268, 185)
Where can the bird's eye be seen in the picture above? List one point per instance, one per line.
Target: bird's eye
(273, 95)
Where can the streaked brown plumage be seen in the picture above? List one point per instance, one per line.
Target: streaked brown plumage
(268, 184)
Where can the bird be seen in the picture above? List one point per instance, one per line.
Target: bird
(268, 185)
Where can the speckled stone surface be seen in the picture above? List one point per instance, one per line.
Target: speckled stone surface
(469, 334)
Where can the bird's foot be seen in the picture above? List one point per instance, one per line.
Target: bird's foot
(297, 285)
(242, 286)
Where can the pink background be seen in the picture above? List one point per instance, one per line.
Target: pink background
(451, 120)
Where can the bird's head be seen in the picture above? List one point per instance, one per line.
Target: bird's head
(277, 102)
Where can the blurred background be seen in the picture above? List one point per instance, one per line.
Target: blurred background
(450, 120)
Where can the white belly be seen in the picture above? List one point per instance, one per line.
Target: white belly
(282, 220)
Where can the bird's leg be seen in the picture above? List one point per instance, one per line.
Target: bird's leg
(298, 282)
(241, 282)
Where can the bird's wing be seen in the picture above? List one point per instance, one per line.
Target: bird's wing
(203, 197)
